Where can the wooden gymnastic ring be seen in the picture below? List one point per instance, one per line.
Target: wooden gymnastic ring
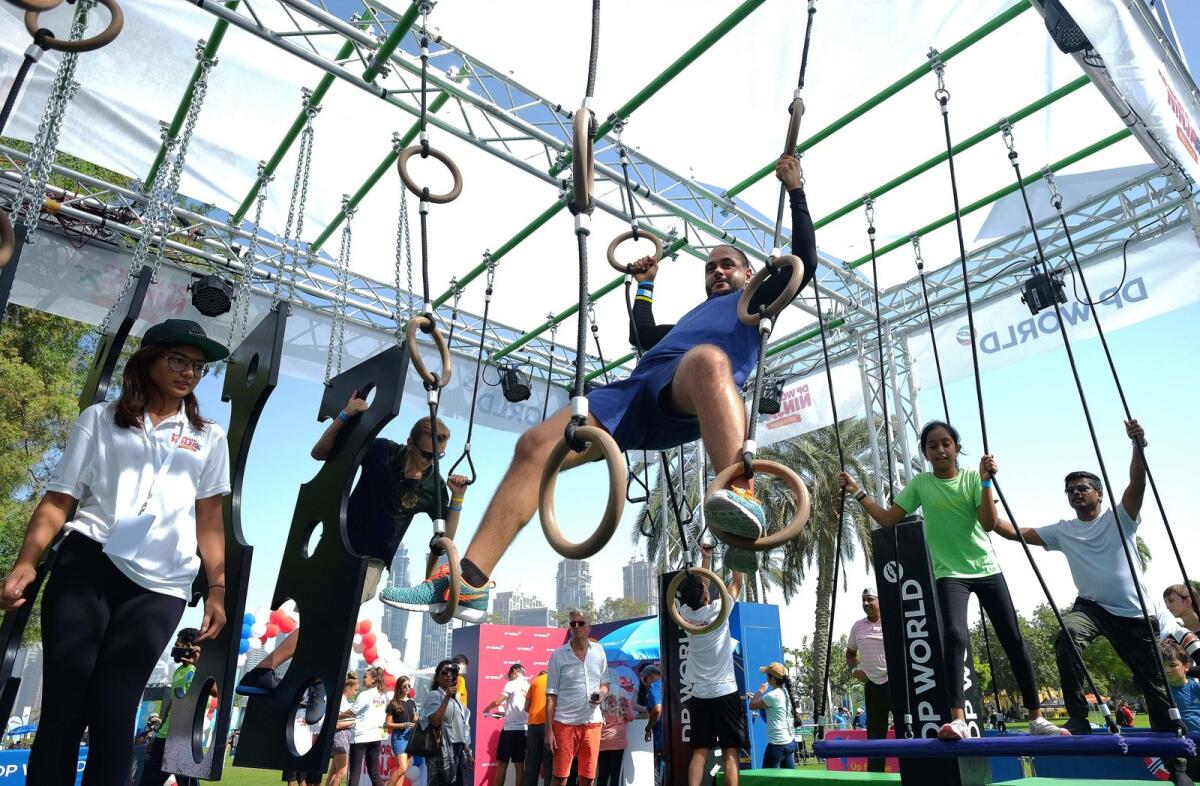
(37, 6)
(775, 539)
(446, 545)
(582, 161)
(104, 38)
(793, 132)
(621, 238)
(760, 278)
(411, 185)
(673, 608)
(414, 353)
(8, 240)
(615, 461)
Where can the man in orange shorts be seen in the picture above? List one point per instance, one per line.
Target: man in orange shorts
(576, 684)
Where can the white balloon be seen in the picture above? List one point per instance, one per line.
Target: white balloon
(288, 607)
(358, 646)
(259, 629)
(262, 613)
(296, 617)
(357, 640)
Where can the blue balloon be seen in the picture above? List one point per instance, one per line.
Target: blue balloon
(243, 646)
(248, 619)
(247, 631)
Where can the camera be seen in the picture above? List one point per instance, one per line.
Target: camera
(452, 668)
(596, 698)
(185, 654)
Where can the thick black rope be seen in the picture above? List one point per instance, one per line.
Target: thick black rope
(808, 25)
(549, 377)
(32, 55)
(937, 358)
(487, 306)
(594, 58)
(943, 97)
(1087, 414)
(1162, 511)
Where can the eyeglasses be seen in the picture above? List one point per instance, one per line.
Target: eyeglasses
(179, 363)
(1079, 489)
(579, 623)
(429, 455)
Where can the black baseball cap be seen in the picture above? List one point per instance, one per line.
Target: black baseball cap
(185, 331)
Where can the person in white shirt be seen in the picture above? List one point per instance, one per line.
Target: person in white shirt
(777, 697)
(576, 683)
(443, 711)
(370, 714)
(343, 737)
(147, 472)
(867, 661)
(511, 747)
(717, 712)
(1107, 604)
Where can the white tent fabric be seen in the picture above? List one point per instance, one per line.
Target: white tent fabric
(722, 119)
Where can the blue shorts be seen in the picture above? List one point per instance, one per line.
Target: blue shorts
(637, 413)
(400, 741)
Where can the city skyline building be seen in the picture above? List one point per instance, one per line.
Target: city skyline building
(573, 585)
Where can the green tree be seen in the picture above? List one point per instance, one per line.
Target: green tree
(814, 457)
(41, 374)
(615, 609)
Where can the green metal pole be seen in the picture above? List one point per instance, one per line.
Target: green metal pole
(788, 343)
(958, 47)
(210, 50)
(315, 99)
(377, 174)
(671, 71)
(495, 256)
(614, 364)
(385, 50)
(966, 144)
(559, 317)
(1074, 158)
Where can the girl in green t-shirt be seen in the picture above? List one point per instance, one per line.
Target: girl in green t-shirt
(959, 513)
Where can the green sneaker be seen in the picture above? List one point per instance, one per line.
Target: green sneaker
(736, 511)
(430, 595)
(741, 560)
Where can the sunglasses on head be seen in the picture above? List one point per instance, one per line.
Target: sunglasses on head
(579, 623)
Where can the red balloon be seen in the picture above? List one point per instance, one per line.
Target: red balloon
(370, 654)
(364, 626)
(368, 640)
(389, 682)
(287, 624)
(272, 630)
(276, 616)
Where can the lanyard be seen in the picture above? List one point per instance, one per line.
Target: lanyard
(166, 465)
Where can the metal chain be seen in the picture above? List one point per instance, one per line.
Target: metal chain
(241, 312)
(407, 250)
(400, 309)
(337, 330)
(27, 206)
(916, 244)
(290, 245)
(159, 212)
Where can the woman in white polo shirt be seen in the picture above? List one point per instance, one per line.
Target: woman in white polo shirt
(148, 473)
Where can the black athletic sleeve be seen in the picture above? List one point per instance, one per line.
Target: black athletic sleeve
(643, 332)
(804, 245)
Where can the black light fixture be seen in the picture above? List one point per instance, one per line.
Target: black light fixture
(514, 384)
(211, 295)
(1063, 29)
(1040, 290)
(772, 395)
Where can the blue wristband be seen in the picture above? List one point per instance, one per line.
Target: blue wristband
(648, 284)
(342, 417)
(987, 484)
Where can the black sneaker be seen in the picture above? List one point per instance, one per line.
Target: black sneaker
(258, 681)
(314, 710)
(1078, 726)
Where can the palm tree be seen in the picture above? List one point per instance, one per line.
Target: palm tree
(814, 457)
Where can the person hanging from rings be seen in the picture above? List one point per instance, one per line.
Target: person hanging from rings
(396, 483)
(686, 387)
(1107, 603)
(959, 513)
(144, 476)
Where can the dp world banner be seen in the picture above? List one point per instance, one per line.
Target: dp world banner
(1160, 277)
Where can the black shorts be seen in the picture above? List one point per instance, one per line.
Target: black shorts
(719, 722)
(512, 746)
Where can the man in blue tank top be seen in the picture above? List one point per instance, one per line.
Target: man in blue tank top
(687, 386)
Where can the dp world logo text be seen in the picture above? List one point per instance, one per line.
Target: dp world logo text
(893, 571)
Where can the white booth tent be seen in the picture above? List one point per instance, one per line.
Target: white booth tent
(517, 70)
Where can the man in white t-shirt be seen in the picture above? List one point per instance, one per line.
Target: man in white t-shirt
(511, 747)
(717, 711)
(868, 663)
(1108, 603)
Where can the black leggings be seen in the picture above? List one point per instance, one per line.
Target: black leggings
(608, 768)
(102, 635)
(369, 750)
(992, 592)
